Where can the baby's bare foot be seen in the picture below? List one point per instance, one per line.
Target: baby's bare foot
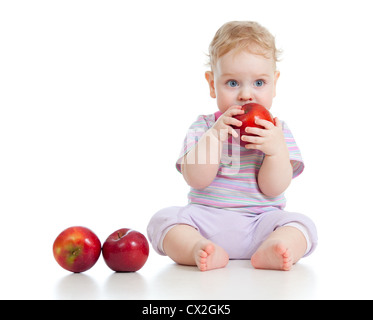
(273, 255)
(210, 256)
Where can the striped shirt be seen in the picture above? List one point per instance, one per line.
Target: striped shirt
(235, 186)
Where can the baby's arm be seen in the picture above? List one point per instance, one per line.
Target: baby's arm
(275, 174)
(276, 171)
(201, 164)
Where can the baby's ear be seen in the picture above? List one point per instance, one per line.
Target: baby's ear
(277, 75)
(209, 75)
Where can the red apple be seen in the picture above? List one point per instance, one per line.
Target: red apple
(125, 250)
(77, 249)
(253, 111)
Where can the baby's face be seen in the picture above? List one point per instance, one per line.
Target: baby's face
(242, 77)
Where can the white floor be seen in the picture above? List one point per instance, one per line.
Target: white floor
(162, 279)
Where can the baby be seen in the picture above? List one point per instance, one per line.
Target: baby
(236, 202)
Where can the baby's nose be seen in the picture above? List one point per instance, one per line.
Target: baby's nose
(245, 95)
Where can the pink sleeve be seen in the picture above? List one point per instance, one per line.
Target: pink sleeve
(294, 152)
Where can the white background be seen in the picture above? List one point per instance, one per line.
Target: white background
(96, 97)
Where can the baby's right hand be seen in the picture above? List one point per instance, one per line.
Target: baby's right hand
(223, 126)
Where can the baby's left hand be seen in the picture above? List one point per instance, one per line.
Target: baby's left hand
(269, 140)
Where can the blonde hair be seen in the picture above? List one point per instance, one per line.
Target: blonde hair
(239, 35)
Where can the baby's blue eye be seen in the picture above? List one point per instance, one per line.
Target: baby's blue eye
(259, 83)
(232, 83)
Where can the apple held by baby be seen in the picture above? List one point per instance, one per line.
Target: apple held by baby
(77, 249)
(252, 112)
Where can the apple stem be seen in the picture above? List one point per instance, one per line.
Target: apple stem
(121, 235)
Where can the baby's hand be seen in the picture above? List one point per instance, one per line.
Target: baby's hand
(223, 126)
(269, 140)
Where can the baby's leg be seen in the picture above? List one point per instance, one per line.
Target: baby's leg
(283, 248)
(186, 246)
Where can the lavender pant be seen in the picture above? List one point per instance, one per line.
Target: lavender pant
(240, 234)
